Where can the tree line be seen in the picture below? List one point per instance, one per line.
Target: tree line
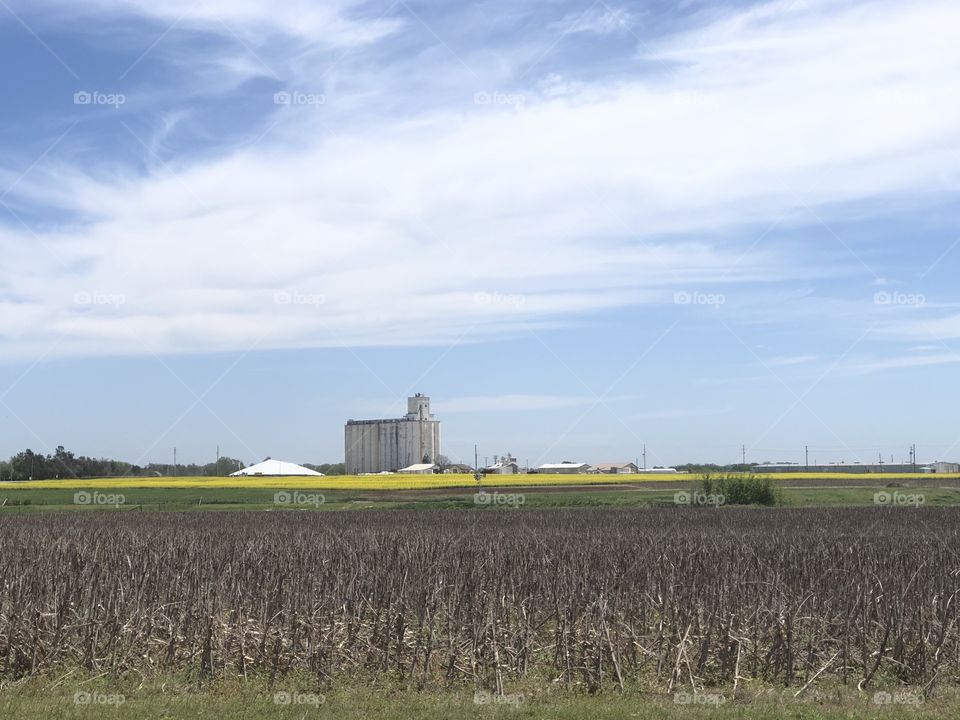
(62, 463)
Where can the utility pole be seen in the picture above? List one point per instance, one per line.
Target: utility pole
(743, 454)
(644, 456)
(174, 462)
(806, 457)
(476, 459)
(913, 456)
(217, 470)
(880, 457)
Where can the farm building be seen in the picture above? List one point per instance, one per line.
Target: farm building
(275, 468)
(506, 465)
(941, 467)
(622, 468)
(374, 446)
(564, 468)
(856, 467)
(419, 469)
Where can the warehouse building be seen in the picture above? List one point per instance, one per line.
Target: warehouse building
(418, 469)
(506, 465)
(621, 468)
(564, 468)
(276, 468)
(374, 446)
(854, 468)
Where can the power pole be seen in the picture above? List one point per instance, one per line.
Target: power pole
(217, 469)
(174, 462)
(743, 454)
(476, 459)
(806, 457)
(644, 456)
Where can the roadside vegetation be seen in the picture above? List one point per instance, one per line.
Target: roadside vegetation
(740, 488)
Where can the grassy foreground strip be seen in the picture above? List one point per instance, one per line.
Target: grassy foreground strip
(416, 482)
(28, 501)
(71, 698)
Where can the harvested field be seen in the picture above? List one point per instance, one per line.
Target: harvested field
(592, 599)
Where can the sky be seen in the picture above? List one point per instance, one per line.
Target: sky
(711, 229)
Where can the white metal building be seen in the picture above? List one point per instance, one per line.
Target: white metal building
(276, 468)
(506, 465)
(622, 468)
(564, 468)
(419, 469)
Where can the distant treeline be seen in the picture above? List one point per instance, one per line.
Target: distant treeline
(62, 463)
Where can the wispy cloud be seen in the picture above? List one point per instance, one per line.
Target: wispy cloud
(403, 211)
(598, 19)
(902, 362)
(334, 23)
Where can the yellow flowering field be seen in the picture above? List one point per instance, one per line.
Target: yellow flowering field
(335, 482)
(407, 482)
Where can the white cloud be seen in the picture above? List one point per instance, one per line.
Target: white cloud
(597, 19)
(333, 23)
(450, 221)
(898, 363)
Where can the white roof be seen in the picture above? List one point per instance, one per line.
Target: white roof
(276, 467)
(419, 467)
(561, 466)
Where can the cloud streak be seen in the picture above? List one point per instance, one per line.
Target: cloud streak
(450, 219)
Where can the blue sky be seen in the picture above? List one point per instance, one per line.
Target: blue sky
(580, 227)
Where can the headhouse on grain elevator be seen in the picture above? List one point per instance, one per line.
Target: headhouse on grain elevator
(374, 446)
